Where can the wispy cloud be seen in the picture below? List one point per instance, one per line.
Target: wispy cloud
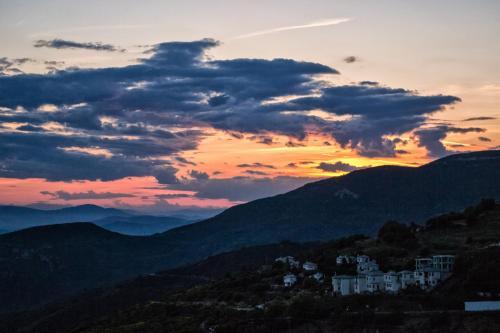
(317, 24)
(69, 44)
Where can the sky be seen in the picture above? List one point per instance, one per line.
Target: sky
(169, 105)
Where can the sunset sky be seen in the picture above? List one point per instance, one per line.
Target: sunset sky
(159, 106)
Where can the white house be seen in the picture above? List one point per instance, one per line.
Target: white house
(430, 271)
(435, 276)
(375, 281)
(343, 259)
(361, 258)
(289, 260)
(406, 278)
(443, 263)
(392, 282)
(360, 284)
(423, 263)
(367, 266)
(289, 280)
(336, 284)
(318, 276)
(420, 278)
(482, 306)
(343, 284)
(310, 266)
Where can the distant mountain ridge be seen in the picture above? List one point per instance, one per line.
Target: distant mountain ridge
(359, 202)
(14, 218)
(141, 225)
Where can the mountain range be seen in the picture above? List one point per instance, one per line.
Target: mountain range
(14, 218)
(70, 257)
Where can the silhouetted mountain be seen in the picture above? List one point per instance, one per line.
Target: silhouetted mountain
(44, 263)
(142, 225)
(15, 217)
(357, 203)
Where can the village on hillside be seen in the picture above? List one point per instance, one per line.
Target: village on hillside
(428, 273)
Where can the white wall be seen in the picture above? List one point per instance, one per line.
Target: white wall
(482, 306)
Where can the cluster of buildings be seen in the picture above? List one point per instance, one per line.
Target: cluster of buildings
(308, 267)
(428, 273)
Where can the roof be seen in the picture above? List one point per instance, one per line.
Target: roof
(343, 277)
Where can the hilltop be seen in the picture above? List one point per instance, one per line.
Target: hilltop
(234, 291)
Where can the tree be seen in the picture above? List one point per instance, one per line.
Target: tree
(395, 233)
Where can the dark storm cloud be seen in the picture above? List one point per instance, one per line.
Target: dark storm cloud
(377, 112)
(67, 196)
(8, 66)
(30, 128)
(256, 165)
(172, 196)
(199, 175)
(184, 160)
(22, 157)
(293, 144)
(54, 63)
(430, 138)
(479, 118)
(337, 167)
(264, 139)
(130, 112)
(68, 44)
(255, 173)
(350, 59)
(369, 83)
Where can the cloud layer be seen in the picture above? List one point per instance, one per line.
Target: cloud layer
(115, 122)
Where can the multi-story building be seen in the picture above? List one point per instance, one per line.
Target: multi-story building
(430, 271)
(360, 284)
(375, 281)
(443, 263)
(406, 278)
(343, 284)
(392, 282)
